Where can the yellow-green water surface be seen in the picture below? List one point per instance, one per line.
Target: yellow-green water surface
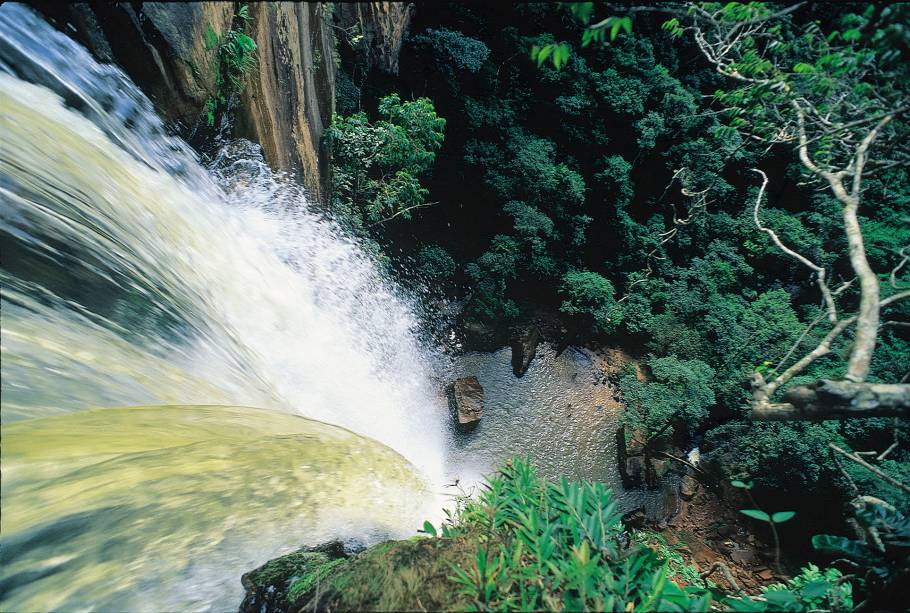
(163, 508)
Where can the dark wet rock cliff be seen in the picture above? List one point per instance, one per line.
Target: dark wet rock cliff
(288, 98)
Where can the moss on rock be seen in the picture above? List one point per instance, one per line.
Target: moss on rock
(279, 584)
(404, 575)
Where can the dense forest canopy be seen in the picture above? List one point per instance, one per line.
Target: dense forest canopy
(720, 187)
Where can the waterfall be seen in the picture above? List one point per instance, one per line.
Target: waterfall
(132, 274)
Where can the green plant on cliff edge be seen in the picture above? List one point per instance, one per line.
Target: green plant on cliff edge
(558, 546)
(235, 57)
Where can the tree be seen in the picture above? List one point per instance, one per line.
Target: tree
(590, 295)
(840, 99)
(679, 390)
(378, 167)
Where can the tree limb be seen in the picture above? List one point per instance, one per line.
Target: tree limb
(819, 271)
(874, 470)
(837, 399)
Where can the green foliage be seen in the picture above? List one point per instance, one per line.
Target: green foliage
(491, 275)
(237, 57)
(878, 561)
(679, 391)
(551, 546)
(573, 182)
(811, 589)
(678, 568)
(777, 518)
(883, 552)
(591, 296)
(453, 51)
(806, 72)
(559, 53)
(234, 59)
(435, 264)
(378, 166)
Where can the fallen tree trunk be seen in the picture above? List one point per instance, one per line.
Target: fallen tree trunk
(837, 400)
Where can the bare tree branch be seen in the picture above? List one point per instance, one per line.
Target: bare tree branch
(762, 391)
(410, 208)
(877, 472)
(819, 271)
(897, 268)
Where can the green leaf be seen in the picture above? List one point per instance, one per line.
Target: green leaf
(852, 35)
(756, 514)
(815, 589)
(741, 485)
(843, 546)
(428, 528)
(781, 598)
(782, 516)
(802, 68)
(626, 24)
(543, 54)
(614, 29)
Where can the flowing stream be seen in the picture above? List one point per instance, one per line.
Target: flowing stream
(149, 300)
(132, 275)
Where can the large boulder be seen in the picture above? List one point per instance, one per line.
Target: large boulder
(409, 575)
(634, 470)
(524, 347)
(467, 395)
(278, 584)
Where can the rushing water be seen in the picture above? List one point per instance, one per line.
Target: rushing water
(161, 508)
(135, 276)
(132, 275)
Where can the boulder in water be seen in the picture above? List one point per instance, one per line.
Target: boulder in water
(524, 347)
(634, 469)
(467, 395)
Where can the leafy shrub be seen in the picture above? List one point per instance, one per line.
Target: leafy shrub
(235, 58)
(378, 167)
(811, 589)
(453, 49)
(435, 264)
(591, 296)
(559, 547)
(679, 390)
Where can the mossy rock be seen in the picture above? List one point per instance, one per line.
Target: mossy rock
(278, 584)
(410, 575)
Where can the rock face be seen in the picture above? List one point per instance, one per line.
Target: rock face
(289, 101)
(468, 402)
(161, 46)
(289, 97)
(383, 25)
(524, 347)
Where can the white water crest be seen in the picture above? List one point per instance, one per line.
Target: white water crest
(133, 275)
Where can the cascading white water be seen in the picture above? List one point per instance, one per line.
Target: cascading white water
(134, 276)
(148, 285)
